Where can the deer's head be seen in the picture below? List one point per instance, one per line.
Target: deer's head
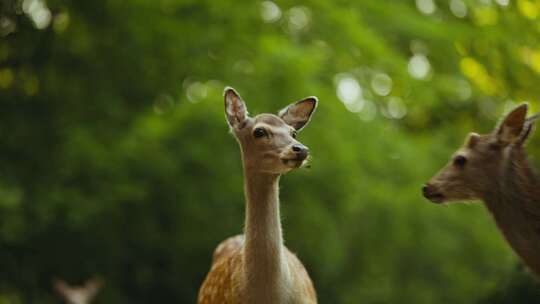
(268, 141)
(475, 168)
(78, 294)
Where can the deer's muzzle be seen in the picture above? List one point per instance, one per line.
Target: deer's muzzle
(431, 193)
(301, 152)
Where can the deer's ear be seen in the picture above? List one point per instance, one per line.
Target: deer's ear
(92, 286)
(61, 286)
(235, 109)
(512, 126)
(528, 129)
(472, 140)
(298, 114)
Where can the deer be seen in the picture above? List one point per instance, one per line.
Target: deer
(256, 267)
(494, 168)
(78, 294)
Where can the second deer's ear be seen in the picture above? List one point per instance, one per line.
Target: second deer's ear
(472, 140)
(298, 114)
(511, 128)
(235, 109)
(528, 129)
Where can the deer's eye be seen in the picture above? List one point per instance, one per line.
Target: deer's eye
(293, 134)
(259, 132)
(460, 161)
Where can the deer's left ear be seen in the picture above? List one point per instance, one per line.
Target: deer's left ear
(512, 126)
(528, 129)
(298, 114)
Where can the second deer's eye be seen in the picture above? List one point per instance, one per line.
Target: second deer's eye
(259, 132)
(460, 161)
(293, 134)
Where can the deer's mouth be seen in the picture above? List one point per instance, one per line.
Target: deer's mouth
(433, 195)
(296, 162)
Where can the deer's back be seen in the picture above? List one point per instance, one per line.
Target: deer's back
(303, 290)
(222, 282)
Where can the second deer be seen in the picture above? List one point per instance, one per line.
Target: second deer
(78, 294)
(494, 168)
(257, 268)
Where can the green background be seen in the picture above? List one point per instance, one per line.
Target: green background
(116, 161)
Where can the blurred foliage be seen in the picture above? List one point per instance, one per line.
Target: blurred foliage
(115, 158)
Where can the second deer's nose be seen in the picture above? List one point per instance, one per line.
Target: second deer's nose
(425, 190)
(301, 151)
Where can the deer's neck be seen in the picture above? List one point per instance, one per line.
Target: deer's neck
(515, 205)
(265, 268)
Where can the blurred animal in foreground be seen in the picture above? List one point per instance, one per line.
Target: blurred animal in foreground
(494, 168)
(78, 294)
(257, 267)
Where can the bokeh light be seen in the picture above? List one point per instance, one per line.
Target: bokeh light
(348, 88)
(426, 7)
(381, 84)
(458, 8)
(270, 11)
(419, 66)
(38, 11)
(396, 108)
(298, 19)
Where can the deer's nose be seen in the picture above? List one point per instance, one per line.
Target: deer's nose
(432, 193)
(426, 190)
(301, 151)
(429, 190)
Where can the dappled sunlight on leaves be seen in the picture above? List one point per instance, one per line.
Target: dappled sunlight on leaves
(477, 73)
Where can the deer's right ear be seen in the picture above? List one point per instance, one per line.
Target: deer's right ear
(93, 286)
(235, 109)
(472, 140)
(512, 126)
(298, 114)
(60, 286)
(527, 129)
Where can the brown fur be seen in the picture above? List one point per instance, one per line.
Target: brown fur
(222, 285)
(497, 171)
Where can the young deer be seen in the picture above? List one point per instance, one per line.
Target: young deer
(78, 294)
(256, 267)
(494, 168)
